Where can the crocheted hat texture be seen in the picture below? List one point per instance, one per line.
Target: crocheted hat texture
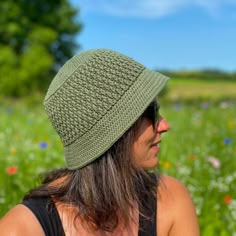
(95, 98)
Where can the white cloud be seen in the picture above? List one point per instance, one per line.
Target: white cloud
(150, 8)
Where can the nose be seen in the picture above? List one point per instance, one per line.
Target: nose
(162, 126)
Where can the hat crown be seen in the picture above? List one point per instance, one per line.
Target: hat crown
(86, 88)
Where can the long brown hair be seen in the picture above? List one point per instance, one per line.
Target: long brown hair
(103, 190)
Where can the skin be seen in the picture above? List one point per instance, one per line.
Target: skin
(176, 213)
(146, 145)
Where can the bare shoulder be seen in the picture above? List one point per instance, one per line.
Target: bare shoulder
(169, 185)
(20, 221)
(176, 208)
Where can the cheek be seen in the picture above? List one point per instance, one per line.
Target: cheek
(140, 147)
(143, 155)
(146, 161)
(141, 150)
(137, 152)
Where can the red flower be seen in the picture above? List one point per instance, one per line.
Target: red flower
(11, 170)
(192, 157)
(228, 199)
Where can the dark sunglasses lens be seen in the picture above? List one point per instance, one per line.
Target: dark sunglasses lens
(155, 113)
(152, 113)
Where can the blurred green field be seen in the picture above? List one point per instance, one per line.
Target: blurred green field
(200, 150)
(193, 89)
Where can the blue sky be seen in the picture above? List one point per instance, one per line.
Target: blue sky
(163, 34)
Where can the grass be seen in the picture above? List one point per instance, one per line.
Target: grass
(199, 150)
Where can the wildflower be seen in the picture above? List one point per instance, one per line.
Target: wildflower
(230, 124)
(11, 170)
(205, 105)
(9, 110)
(167, 165)
(224, 105)
(227, 199)
(16, 137)
(43, 145)
(177, 106)
(214, 162)
(192, 157)
(227, 140)
(13, 151)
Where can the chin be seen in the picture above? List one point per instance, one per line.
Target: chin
(150, 164)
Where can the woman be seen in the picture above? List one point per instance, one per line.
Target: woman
(103, 106)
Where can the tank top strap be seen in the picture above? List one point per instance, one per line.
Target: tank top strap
(45, 211)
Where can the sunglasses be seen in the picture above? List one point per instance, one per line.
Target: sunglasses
(152, 113)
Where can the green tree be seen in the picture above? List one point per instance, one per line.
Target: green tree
(36, 38)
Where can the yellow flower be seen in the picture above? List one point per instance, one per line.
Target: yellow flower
(230, 124)
(167, 165)
(16, 137)
(13, 151)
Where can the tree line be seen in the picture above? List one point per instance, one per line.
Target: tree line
(36, 38)
(207, 74)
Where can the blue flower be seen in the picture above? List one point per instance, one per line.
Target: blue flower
(43, 145)
(9, 110)
(227, 140)
(177, 106)
(205, 105)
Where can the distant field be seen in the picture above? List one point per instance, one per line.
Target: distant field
(194, 88)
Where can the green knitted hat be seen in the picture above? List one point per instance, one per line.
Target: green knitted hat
(95, 98)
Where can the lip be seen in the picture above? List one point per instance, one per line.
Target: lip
(155, 146)
(156, 143)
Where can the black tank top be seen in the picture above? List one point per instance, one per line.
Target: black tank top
(52, 225)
